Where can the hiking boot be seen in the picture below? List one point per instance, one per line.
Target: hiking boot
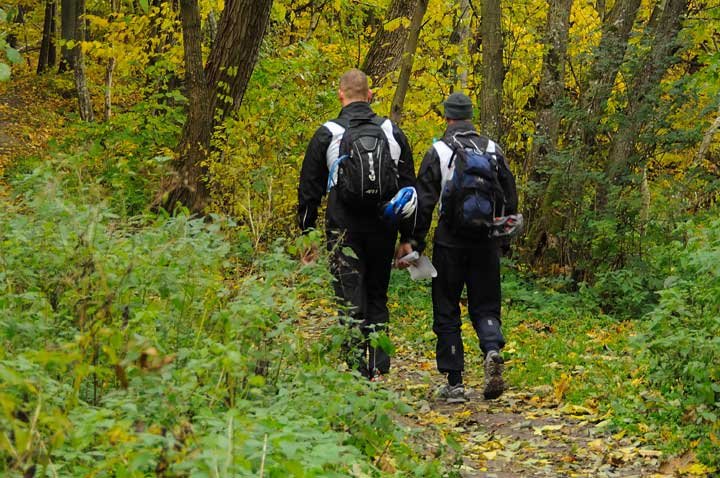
(494, 383)
(452, 393)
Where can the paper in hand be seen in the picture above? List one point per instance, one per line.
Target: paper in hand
(422, 268)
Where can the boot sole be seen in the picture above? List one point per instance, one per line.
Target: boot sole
(494, 388)
(495, 385)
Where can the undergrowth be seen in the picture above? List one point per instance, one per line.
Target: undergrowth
(150, 345)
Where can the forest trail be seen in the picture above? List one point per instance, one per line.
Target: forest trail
(525, 433)
(29, 117)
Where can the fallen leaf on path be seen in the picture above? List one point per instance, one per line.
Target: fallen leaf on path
(674, 464)
(650, 453)
(696, 469)
(597, 445)
(547, 428)
(561, 386)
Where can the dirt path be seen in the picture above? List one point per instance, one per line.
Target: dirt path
(29, 117)
(525, 433)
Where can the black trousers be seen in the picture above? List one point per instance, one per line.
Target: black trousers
(478, 268)
(360, 264)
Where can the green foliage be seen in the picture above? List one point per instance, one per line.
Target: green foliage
(8, 52)
(680, 340)
(120, 161)
(144, 345)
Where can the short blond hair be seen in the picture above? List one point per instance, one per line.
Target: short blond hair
(354, 84)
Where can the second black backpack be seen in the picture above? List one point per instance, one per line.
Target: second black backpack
(473, 196)
(367, 173)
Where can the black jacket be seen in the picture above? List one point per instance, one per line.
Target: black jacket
(429, 183)
(314, 178)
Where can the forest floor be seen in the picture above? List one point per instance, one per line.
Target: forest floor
(524, 433)
(531, 430)
(29, 118)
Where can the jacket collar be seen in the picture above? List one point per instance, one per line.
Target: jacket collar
(357, 109)
(457, 127)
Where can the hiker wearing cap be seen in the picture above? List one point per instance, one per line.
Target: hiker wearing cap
(468, 174)
(363, 162)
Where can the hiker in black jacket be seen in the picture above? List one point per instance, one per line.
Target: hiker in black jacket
(360, 243)
(470, 260)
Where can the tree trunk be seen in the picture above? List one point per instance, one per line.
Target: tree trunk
(407, 61)
(385, 53)
(189, 185)
(663, 28)
(707, 140)
(456, 67)
(110, 68)
(552, 84)
(606, 65)
(47, 45)
(232, 58)
(547, 123)
(68, 21)
(493, 70)
(84, 102)
(213, 92)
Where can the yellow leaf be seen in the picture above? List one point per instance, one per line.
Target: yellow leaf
(547, 428)
(561, 386)
(570, 409)
(490, 455)
(597, 445)
(396, 23)
(696, 469)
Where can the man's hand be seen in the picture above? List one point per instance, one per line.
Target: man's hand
(403, 249)
(309, 255)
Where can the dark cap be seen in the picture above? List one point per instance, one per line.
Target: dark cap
(458, 106)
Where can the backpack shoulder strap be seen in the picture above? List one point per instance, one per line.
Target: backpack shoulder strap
(387, 126)
(378, 120)
(445, 156)
(471, 139)
(333, 151)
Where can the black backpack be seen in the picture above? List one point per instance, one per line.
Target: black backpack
(473, 196)
(367, 173)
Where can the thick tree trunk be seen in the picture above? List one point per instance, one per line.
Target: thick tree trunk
(232, 58)
(547, 123)
(84, 102)
(214, 92)
(407, 61)
(663, 28)
(608, 58)
(552, 84)
(189, 186)
(47, 45)
(385, 53)
(493, 70)
(68, 21)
